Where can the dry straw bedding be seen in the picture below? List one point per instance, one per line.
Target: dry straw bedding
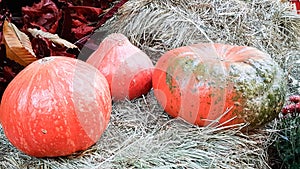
(140, 134)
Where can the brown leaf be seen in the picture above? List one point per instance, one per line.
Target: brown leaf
(53, 37)
(18, 45)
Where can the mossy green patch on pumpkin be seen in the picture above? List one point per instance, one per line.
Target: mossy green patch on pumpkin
(184, 64)
(265, 96)
(193, 68)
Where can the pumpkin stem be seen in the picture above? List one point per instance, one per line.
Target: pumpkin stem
(45, 60)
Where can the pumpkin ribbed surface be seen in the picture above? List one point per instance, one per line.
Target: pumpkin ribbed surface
(56, 106)
(202, 81)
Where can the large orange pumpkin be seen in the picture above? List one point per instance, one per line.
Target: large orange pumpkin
(217, 84)
(55, 106)
(127, 69)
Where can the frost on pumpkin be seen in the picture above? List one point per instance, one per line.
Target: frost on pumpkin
(186, 65)
(260, 82)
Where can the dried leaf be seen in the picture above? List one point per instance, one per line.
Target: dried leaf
(53, 37)
(44, 47)
(41, 47)
(18, 45)
(44, 15)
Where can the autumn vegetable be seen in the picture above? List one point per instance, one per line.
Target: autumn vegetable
(127, 69)
(55, 106)
(217, 84)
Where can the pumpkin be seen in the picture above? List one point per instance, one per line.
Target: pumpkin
(55, 107)
(127, 69)
(219, 85)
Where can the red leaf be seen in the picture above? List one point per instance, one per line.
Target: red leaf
(78, 21)
(41, 47)
(90, 13)
(67, 26)
(104, 4)
(82, 30)
(44, 15)
(44, 47)
(104, 18)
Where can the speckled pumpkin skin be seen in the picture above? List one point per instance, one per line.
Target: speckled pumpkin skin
(55, 106)
(200, 82)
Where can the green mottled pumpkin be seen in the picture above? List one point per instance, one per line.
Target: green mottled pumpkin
(223, 84)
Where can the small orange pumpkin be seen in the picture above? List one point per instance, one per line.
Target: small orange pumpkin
(55, 106)
(127, 69)
(202, 81)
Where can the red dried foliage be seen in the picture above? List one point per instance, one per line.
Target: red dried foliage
(82, 19)
(44, 47)
(104, 4)
(103, 19)
(44, 15)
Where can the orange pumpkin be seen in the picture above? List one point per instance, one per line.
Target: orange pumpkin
(55, 106)
(127, 69)
(201, 82)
